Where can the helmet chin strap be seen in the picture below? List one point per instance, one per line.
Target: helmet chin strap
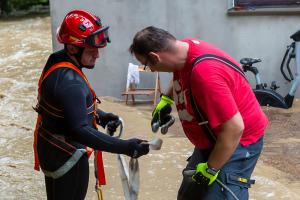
(89, 66)
(78, 56)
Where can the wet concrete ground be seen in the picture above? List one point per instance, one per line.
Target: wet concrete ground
(282, 141)
(274, 179)
(25, 46)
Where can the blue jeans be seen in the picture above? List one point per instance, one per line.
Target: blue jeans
(240, 165)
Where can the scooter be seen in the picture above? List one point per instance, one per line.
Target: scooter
(269, 96)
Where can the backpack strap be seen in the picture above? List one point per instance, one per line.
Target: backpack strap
(220, 59)
(203, 122)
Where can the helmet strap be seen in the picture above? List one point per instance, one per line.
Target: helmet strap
(78, 56)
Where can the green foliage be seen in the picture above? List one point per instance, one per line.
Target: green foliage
(25, 4)
(7, 6)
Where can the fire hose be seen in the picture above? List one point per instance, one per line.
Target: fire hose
(130, 174)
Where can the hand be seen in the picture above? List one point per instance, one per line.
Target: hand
(164, 120)
(104, 118)
(137, 148)
(166, 123)
(205, 175)
(161, 112)
(112, 126)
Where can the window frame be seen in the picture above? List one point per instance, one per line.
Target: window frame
(276, 9)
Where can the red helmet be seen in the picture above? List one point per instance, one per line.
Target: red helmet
(83, 29)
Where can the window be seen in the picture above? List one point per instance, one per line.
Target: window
(264, 5)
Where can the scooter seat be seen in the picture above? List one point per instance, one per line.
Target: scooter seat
(249, 61)
(296, 36)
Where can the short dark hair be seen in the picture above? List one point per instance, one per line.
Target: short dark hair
(151, 39)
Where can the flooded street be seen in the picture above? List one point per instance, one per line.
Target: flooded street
(25, 46)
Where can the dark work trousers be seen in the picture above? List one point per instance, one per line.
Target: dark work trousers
(240, 165)
(71, 186)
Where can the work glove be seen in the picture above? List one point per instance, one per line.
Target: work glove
(205, 175)
(112, 126)
(109, 120)
(161, 113)
(137, 148)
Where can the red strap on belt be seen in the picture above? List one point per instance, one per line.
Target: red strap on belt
(100, 168)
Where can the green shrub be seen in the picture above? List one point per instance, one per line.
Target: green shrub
(7, 6)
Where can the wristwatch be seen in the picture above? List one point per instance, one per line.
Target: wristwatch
(212, 171)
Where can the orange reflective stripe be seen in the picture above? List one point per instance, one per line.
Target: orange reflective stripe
(36, 158)
(62, 65)
(66, 65)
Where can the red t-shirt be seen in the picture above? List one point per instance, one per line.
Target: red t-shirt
(219, 91)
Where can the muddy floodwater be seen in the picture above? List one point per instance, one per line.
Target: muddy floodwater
(24, 47)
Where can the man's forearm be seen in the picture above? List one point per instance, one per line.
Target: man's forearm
(169, 90)
(222, 151)
(227, 141)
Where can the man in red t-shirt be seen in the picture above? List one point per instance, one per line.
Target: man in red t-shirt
(217, 108)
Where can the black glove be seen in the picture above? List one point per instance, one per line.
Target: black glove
(112, 126)
(137, 148)
(105, 119)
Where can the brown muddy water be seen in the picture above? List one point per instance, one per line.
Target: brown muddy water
(25, 46)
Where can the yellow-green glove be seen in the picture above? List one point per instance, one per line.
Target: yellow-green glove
(164, 100)
(162, 109)
(205, 175)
